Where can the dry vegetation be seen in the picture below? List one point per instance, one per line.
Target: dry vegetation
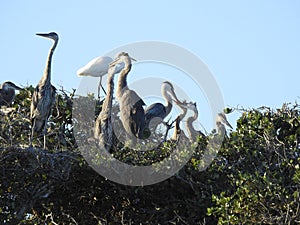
(255, 179)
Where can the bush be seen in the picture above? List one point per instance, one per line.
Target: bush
(255, 179)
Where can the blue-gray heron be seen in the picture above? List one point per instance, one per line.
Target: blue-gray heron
(103, 126)
(43, 96)
(132, 113)
(7, 93)
(157, 112)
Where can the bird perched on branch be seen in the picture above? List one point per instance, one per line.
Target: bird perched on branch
(7, 93)
(193, 134)
(98, 67)
(103, 126)
(157, 112)
(220, 121)
(132, 113)
(43, 96)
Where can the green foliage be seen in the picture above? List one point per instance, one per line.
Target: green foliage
(254, 179)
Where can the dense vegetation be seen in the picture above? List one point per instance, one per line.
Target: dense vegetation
(255, 179)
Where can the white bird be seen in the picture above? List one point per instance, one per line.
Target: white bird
(98, 67)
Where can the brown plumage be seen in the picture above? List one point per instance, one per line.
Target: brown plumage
(132, 113)
(103, 126)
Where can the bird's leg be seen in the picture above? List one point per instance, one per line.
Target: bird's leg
(169, 126)
(100, 86)
(32, 133)
(45, 130)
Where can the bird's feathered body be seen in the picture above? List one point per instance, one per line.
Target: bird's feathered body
(178, 133)
(131, 105)
(7, 93)
(98, 67)
(157, 112)
(43, 96)
(220, 121)
(43, 99)
(103, 126)
(192, 133)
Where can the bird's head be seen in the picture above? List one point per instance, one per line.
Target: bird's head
(189, 105)
(51, 35)
(168, 88)
(10, 85)
(121, 57)
(221, 118)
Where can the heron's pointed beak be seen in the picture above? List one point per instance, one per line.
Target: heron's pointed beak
(43, 35)
(133, 59)
(115, 62)
(15, 87)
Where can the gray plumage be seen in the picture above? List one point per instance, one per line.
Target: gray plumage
(103, 126)
(193, 134)
(220, 121)
(7, 93)
(178, 132)
(43, 96)
(132, 113)
(157, 112)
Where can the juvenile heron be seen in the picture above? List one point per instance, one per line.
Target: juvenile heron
(220, 121)
(131, 105)
(103, 126)
(193, 134)
(43, 96)
(98, 67)
(157, 112)
(7, 93)
(178, 132)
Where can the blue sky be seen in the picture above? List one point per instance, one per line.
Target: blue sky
(251, 47)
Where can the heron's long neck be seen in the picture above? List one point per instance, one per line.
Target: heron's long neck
(46, 78)
(189, 124)
(168, 101)
(177, 125)
(107, 104)
(122, 81)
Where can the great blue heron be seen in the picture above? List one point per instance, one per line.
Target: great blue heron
(193, 134)
(157, 112)
(103, 126)
(98, 67)
(220, 121)
(131, 105)
(179, 133)
(43, 96)
(7, 93)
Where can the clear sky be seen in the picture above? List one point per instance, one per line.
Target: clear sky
(251, 47)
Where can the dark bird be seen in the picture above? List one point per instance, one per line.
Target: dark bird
(157, 112)
(103, 126)
(43, 96)
(131, 105)
(7, 93)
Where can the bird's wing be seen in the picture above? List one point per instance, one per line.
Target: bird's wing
(96, 67)
(34, 102)
(155, 110)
